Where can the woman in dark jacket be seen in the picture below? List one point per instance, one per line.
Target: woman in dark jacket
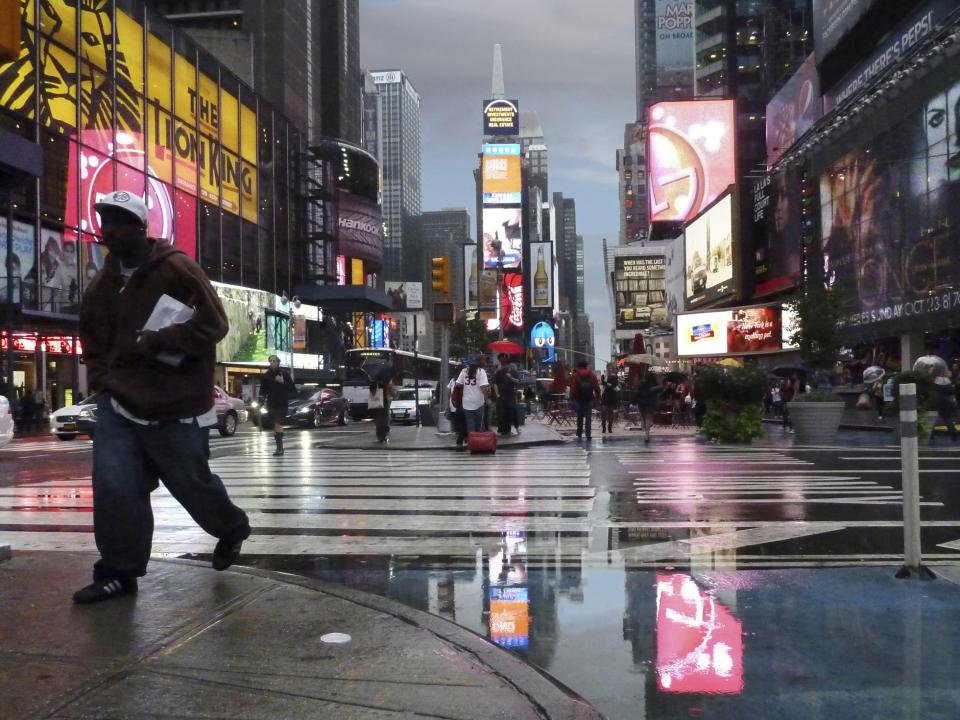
(275, 396)
(608, 403)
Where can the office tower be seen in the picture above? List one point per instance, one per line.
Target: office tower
(303, 57)
(396, 105)
(632, 170)
(742, 49)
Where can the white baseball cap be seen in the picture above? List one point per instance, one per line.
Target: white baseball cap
(123, 200)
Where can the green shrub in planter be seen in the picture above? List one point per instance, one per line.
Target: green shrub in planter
(926, 391)
(738, 386)
(732, 423)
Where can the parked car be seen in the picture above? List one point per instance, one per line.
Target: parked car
(402, 407)
(231, 411)
(317, 406)
(6, 421)
(72, 420)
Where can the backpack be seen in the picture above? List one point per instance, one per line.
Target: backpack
(584, 386)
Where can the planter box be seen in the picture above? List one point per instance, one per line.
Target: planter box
(816, 423)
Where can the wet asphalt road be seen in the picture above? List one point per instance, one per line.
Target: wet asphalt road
(577, 559)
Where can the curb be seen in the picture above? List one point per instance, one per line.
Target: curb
(437, 448)
(551, 697)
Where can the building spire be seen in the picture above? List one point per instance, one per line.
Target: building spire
(497, 73)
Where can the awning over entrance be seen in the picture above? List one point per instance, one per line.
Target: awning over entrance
(344, 298)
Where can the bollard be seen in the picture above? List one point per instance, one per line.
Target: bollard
(910, 472)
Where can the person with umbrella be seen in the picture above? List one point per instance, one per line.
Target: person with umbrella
(873, 376)
(378, 402)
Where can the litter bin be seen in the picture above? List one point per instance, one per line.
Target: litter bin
(426, 415)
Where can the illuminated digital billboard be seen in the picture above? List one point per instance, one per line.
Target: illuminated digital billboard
(502, 234)
(710, 251)
(674, 31)
(501, 177)
(752, 330)
(777, 235)
(691, 156)
(501, 117)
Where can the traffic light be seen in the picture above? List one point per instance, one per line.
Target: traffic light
(440, 275)
(10, 30)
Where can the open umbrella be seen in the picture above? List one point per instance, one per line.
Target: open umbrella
(641, 359)
(932, 364)
(730, 362)
(873, 373)
(506, 347)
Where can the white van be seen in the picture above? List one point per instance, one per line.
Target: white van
(402, 408)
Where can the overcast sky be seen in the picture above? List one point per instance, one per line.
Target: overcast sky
(570, 61)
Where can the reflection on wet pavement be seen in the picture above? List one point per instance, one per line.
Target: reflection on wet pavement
(679, 580)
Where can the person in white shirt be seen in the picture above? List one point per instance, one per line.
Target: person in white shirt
(476, 390)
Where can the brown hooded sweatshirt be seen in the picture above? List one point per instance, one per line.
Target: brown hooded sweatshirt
(113, 314)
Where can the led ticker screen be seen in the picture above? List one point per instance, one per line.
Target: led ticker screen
(691, 156)
(750, 330)
(501, 117)
(501, 179)
(699, 641)
(510, 616)
(709, 254)
(502, 234)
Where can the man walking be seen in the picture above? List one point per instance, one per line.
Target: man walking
(155, 398)
(584, 389)
(275, 393)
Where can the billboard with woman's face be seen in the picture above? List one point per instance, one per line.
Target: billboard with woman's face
(890, 219)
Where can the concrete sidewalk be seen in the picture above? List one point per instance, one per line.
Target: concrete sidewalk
(195, 643)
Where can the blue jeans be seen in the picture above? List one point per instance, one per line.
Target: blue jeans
(474, 419)
(128, 460)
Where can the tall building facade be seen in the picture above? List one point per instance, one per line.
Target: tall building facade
(745, 49)
(443, 233)
(302, 57)
(392, 112)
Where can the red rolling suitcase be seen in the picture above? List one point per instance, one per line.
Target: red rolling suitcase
(482, 442)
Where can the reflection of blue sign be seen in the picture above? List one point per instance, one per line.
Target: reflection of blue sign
(542, 337)
(501, 149)
(509, 594)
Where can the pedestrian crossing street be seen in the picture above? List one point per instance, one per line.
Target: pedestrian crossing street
(447, 508)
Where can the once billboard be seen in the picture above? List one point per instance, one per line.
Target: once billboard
(753, 330)
(674, 32)
(832, 19)
(691, 156)
(793, 110)
(502, 237)
(501, 179)
(709, 254)
(890, 219)
(640, 291)
(501, 117)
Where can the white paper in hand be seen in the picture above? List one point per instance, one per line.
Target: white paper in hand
(168, 311)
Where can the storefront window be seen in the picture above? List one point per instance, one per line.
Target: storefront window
(250, 256)
(231, 249)
(281, 213)
(56, 180)
(267, 262)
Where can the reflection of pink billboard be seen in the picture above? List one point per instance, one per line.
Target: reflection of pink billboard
(699, 641)
(691, 156)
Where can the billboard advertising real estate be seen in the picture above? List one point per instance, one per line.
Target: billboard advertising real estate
(890, 221)
(777, 232)
(502, 234)
(710, 253)
(501, 117)
(691, 156)
(752, 330)
(793, 110)
(640, 291)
